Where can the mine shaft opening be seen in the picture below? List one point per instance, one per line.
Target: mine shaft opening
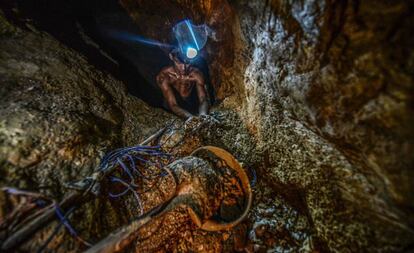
(87, 27)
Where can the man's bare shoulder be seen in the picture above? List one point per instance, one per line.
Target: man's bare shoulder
(195, 72)
(166, 70)
(164, 74)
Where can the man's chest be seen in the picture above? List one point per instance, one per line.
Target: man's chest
(183, 87)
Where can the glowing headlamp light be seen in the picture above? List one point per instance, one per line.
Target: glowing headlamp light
(191, 53)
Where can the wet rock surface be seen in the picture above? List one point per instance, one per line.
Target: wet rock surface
(317, 97)
(59, 115)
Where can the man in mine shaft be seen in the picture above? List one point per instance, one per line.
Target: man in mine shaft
(183, 87)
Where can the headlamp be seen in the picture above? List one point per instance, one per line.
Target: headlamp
(191, 53)
(190, 39)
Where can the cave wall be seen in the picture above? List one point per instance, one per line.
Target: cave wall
(316, 96)
(328, 92)
(58, 116)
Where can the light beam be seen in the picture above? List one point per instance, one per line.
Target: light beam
(187, 22)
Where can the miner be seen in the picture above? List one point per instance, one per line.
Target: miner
(182, 86)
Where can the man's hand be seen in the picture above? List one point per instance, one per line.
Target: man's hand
(208, 118)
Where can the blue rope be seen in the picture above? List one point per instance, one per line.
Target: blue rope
(132, 163)
(125, 158)
(55, 231)
(109, 159)
(118, 180)
(119, 194)
(129, 188)
(64, 220)
(125, 168)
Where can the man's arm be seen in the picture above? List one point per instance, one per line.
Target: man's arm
(170, 97)
(201, 93)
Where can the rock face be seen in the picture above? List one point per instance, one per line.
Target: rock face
(58, 116)
(330, 98)
(57, 109)
(317, 96)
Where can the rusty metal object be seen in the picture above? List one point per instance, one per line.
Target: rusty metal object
(213, 225)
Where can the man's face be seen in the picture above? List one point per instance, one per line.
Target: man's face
(179, 65)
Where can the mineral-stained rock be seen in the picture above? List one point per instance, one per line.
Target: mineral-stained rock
(317, 96)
